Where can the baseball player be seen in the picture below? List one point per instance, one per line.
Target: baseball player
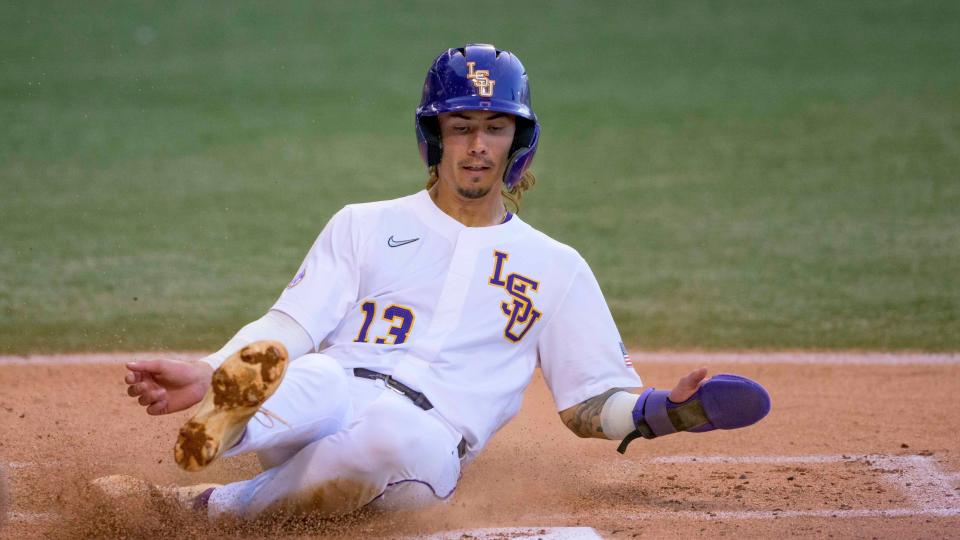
(411, 329)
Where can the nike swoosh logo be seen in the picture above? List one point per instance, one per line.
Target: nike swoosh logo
(397, 243)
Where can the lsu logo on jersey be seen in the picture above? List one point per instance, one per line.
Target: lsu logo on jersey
(519, 310)
(481, 80)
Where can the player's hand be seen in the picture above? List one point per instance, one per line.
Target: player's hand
(167, 386)
(688, 385)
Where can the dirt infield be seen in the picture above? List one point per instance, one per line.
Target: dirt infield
(857, 445)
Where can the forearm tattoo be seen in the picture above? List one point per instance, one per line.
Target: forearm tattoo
(584, 418)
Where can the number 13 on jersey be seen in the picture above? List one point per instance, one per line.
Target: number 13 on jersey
(400, 318)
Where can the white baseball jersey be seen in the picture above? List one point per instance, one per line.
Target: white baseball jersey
(462, 314)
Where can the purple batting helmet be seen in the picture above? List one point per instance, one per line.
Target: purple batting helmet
(478, 78)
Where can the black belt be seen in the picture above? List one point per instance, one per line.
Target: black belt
(417, 398)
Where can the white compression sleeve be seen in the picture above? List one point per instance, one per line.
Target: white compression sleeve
(616, 417)
(275, 325)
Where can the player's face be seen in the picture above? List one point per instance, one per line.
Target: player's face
(475, 148)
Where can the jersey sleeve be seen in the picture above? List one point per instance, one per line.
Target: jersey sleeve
(581, 353)
(327, 282)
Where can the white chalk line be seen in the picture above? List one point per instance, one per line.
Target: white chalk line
(922, 481)
(816, 458)
(31, 517)
(837, 358)
(844, 358)
(94, 358)
(31, 464)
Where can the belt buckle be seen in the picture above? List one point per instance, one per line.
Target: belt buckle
(388, 380)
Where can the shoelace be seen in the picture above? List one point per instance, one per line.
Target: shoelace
(272, 416)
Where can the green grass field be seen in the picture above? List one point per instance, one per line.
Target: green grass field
(739, 175)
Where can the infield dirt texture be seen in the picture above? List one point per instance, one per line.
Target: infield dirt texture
(777, 176)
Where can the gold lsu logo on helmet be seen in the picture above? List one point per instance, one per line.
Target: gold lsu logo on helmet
(481, 80)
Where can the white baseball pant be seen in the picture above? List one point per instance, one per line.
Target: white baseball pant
(348, 442)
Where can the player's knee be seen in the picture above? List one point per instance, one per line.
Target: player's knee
(319, 363)
(319, 370)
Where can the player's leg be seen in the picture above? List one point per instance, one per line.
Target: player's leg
(312, 401)
(392, 452)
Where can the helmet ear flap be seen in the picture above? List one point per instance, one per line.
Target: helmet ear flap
(428, 134)
(521, 153)
(525, 136)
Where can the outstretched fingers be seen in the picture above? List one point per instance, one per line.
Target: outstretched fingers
(142, 385)
(166, 386)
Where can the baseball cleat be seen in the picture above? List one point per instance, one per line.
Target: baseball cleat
(121, 486)
(237, 390)
(723, 402)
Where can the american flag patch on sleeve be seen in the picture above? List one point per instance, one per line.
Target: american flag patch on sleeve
(626, 355)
